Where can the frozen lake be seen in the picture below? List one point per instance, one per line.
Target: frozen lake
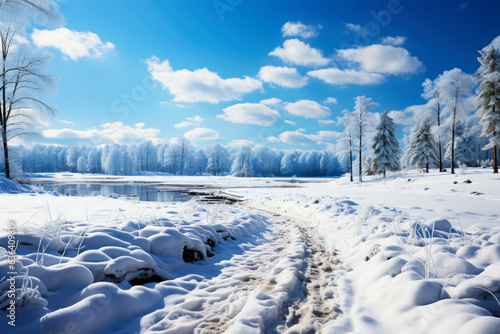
(142, 192)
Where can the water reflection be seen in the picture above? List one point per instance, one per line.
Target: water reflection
(143, 192)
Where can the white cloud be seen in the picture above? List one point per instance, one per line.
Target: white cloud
(293, 138)
(394, 40)
(73, 44)
(299, 29)
(297, 52)
(241, 143)
(109, 133)
(308, 109)
(331, 100)
(326, 122)
(202, 134)
(386, 59)
(290, 122)
(190, 121)
(274, 102)
(200, 85)
(298, 137)
(283, 76)
(402, 117)
(355, 28)
(335, 76)
(250, 113)
(329, 134)
(66, 122)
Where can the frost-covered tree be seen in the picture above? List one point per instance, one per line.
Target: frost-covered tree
(217, 159)
(422, 147)
(456, 87)
(239, 157)
(72, 156)
(112, 164)
(385, 146)
(94, 161)
(432, 93)
(246, 170)
(184, 153)
(288, 166)
(345, 145)
(81, 165)
(488, 97)
(172, 158)
(362, 122)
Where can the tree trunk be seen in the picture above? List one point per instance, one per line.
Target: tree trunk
(5, 152)
(360, 157)
(453, 147)
(439, 138)
(427, 168)
(384, 173)
(495, 163)
(350, 163)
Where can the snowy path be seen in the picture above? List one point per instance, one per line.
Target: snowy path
(311, 313)
(250, 293)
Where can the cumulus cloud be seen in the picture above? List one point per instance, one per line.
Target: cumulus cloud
(283, 76)
(300, 29)
(241, 143)
(385, 59)
(200, 85)
(331, 100)
(326, 122)
(202, 134)
(73, 44)
(394, 40)
(308, 109)
(250, 113)
(402, 117)
(108, 133)
(298, 137)
(355, 28)
(335, 76)
(190, 121)
(297, 52)
(274, 102)
(290, 122)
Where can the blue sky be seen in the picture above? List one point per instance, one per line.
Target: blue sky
(213, 71)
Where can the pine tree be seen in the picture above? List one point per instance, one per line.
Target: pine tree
(246, 170)
(422, 145)
(385, 146)
(488, 98)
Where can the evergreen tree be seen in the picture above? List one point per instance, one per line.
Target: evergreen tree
(488, 98)
(385, 146)
(422, 146)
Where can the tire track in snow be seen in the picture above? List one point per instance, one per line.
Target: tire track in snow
(252, 290)
(311, 313)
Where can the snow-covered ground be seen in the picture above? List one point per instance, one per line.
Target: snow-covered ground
(413, 253)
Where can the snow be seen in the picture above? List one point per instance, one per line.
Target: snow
(411, 253)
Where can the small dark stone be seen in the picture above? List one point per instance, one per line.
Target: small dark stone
(467, 181)
(455, 182)
(191, 255)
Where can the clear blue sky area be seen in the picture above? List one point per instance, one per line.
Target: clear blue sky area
(234, 39)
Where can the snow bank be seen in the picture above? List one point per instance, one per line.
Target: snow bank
(399, 273)
(93, 267)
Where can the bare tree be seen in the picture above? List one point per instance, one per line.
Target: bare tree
(184, 150)
(362, 121)
(21, 78)
(346, 143)
(433, 94)
(456, 87)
